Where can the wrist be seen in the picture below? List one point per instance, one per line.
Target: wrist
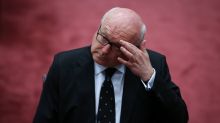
(148, 75)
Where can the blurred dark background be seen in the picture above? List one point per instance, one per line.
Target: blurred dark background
(32, 31)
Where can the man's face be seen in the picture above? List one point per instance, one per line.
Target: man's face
(105, 45)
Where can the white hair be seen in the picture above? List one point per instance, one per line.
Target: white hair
(143, 31)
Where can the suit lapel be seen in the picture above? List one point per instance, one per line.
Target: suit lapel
(129, 95)
(87, 86)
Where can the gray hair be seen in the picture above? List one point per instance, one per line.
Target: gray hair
(143, 31)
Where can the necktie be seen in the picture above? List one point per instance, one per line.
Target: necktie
(106, 109)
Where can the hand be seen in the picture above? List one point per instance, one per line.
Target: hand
(138, 59)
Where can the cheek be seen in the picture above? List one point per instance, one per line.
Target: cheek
(114, 56)
(95, 47)
(123, 57)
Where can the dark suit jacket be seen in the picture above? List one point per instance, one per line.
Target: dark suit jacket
(68, 94)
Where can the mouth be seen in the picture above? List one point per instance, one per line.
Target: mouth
(101, 56)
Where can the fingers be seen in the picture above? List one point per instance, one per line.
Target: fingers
(130, 47)
(122, 61)
(128, 54)
(131, 51)
(137, 59)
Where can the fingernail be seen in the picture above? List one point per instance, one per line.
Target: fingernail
(122, 48)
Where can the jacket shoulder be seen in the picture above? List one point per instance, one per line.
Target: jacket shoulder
(155, 55)
(157, 59)
(73, 55)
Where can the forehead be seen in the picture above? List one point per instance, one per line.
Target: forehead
(117, 33)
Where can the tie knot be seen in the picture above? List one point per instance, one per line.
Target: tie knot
(109, 72)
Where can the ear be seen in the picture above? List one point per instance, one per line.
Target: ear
(142, 46)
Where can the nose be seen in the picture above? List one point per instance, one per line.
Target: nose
(106, 49)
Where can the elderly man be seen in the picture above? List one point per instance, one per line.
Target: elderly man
(115, 80)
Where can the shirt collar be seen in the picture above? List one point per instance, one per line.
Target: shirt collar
(99, 68)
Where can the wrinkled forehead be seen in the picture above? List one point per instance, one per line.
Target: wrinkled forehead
(120, 32)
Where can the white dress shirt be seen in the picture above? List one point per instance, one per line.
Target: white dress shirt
(118, 84)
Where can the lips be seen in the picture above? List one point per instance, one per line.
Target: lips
(101, 56)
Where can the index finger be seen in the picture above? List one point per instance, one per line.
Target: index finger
(130, 47)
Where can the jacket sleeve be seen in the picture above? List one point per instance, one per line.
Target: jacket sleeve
(167, 95)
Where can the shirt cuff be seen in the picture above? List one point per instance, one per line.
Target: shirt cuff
(150, 82)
